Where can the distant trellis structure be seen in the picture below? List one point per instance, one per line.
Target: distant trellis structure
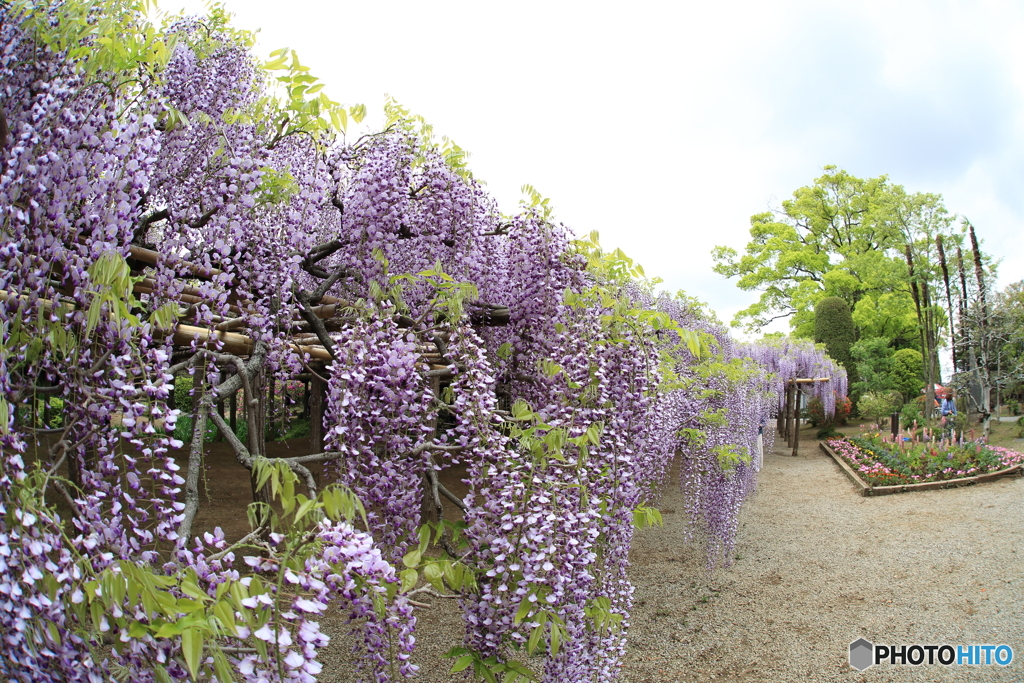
(789, 417)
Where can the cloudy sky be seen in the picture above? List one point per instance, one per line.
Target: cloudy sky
(665, 126)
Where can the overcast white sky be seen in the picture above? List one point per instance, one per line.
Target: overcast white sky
(665, 126)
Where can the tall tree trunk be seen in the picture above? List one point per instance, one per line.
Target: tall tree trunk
(963, 289)
(949, 302)
(984, 376)
(931, 333)
(929, 354)
(929, 378)
(979, 273)
(968, 349)
(965, 350)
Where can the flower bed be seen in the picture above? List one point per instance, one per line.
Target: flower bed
(882, 464)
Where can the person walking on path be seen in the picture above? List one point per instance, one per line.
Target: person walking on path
(948, 411)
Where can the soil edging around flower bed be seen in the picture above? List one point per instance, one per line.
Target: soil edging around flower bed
(868, 490)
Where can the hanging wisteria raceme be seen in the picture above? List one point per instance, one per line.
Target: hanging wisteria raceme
(721, 461)
(345, 568)
(720, 412)
(74, 173)
(232, 196)
(37, 571)
(553, 516)
(406, 210)
(379, 411)
(86, 173)
(560, 564)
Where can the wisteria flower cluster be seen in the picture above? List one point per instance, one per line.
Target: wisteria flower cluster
(183, 219)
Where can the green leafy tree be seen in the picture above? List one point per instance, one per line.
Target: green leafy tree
(880, 248)
(873, 357)
(846, 237)
(833, 238)
(877, 406)
(889, 315)
(833, 327)
(1009, 314)
(908, 372)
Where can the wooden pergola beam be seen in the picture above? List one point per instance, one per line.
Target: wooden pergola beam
(234, 343)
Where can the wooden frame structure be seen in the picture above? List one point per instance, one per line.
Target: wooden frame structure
(789, 417)
(241, 358)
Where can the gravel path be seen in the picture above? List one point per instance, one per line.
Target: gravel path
(816, 567)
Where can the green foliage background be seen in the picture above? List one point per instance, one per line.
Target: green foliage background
(833, 327)
(908, 373)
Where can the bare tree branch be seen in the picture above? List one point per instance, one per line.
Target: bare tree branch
(204, 219)
(139, 235)
(316, 324)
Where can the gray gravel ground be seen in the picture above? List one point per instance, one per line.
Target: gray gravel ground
(816, 566)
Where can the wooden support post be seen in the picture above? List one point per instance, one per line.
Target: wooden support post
(316, 415)
(790, 390)
(780, 420)
(233, 407)
(796, 420)
(785, 416)
(431, 508)
(789, 418)
(435, 388)
(220, 409)
(271, 411)
(305, 398)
